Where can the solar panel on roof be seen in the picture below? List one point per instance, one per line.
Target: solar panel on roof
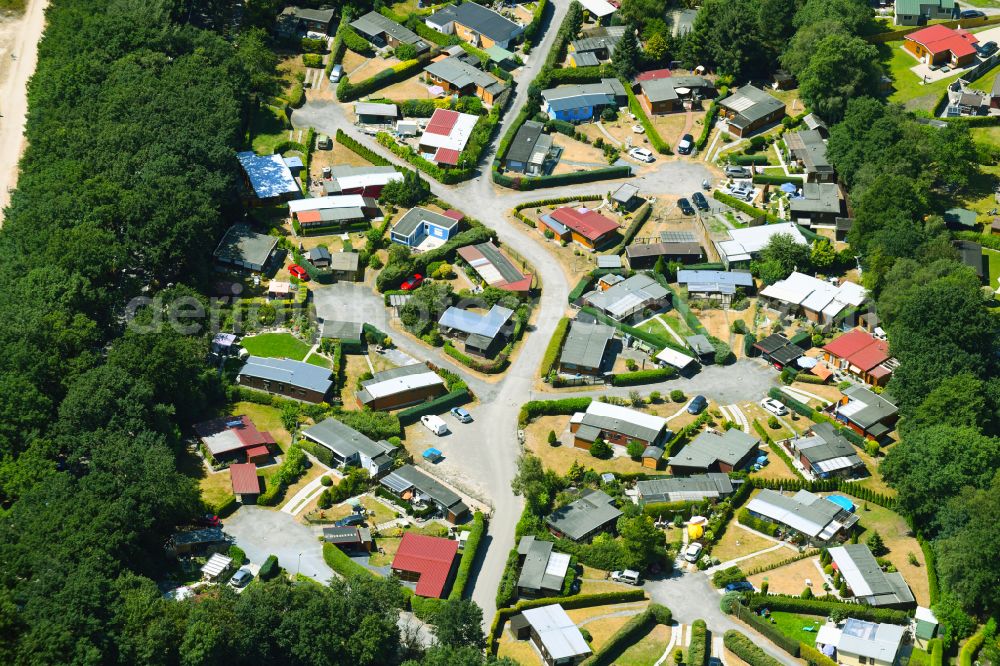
(678, 237)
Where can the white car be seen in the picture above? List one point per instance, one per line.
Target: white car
(641, 154)
(435, 424)
(693, 551)
(774, 406)
(628, 576)
(638, 129)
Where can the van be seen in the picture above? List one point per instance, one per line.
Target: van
(435, 424)
(628, 576)
(336, 73)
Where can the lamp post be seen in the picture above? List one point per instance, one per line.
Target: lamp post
(298, 567)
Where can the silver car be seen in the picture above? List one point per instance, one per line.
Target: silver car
(737, 172)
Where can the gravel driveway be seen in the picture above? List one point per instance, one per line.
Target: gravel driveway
(262, 532)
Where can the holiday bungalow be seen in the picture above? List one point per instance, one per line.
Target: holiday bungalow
(457, 76)
(241, 247)
(350, 447)
(400, 387)
(729, 451)
(429, 562)
(866, 412)
(938, 45)
(268, 177)
(383, 31)
(629, 297)
(583, 519)
(583, 226)
(367, 181)
(748, 109)
(446, 135)
(230, 438)
(615, 425)
(420, 490)
(684, 489)
(861, 355)
(826, 453)
(918, 12)
(587, 349)
(483, 333)
(494, 268)
(542, 570)
(819, 520)
(475, 24)
(582, 101)
(422, 227)
(282, 376)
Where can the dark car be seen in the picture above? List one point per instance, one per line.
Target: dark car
(700, 201)
(209, 520)
(697, 404)
(971, 14)
(685, 145)
(352, 520)
(685, 207)
(739, 586)
(987, 49)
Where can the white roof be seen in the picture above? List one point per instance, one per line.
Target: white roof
(557, 565)
(828, 634)
(674, 358)
(561, 638)
(598, 8)
(816, 295)
(405, 383)
(279, 287)
(753, 239)
(598, 408)
(367, 179)
(866, 639)
(216, 565)
(456, 138)
(925, 615)
(322, 203)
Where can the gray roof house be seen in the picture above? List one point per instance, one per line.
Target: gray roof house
(700, 345)
(871, 414)
(714, 282)
(815, 517)
(479, 21)
(542, 571)
(616, 425)
(463, 77)
(861, 642)
(710, 451)
(827, 453)
(628, 297)
(819, 205)
(295, 379)
(319, 256)
(350, 447)
(663, 94)
(342, 330)
(426, 488)
(585, 349)
(581, 520)
(749, 108)
(868, 583)
(481, 331)
(529, 150)
(600, 42)
(398, 387)
(684, 489)
(808, 148)
(382, 30)
(244, 248)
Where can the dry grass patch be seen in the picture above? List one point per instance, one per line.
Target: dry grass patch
(603, 629)
(561, 458)
(576, 151)
(410, 88)
(581, 616)
(648, 650)
(521, 652)
(791, 578)
(737, 542)
(896, 535)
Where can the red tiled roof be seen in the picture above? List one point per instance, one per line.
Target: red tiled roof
(447, 156)
(871, 356)
(521, 285)
(454, 214)
(244, 478)
(849, 343)
(938, 39)
(308, 216)
(250, 436)
(653, 75)
(588, 223)
(442, 121)
(431, 557)
(257, 452)
(879, 371)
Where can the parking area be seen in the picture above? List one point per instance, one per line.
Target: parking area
(262, 532)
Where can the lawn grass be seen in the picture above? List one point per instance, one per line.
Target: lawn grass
(993, 257)
(266, 418)
(648, 649)
(737, 542)
(908, 89)
(316, 359)
(895, 534)
(386, 552)
(267, 130)
(276, 345)
(521, 652)
(791, 625)
(603, 629)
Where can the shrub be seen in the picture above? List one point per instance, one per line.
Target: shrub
(554, 346)
(698, 651)
(739, 326)
(269, 569)
(535, 408)
(239, 557)
(724, 577)
(643, 376)
(876, 545)
(291, 468)
(468, 556)
(326, 481)
(312, 60)
(552, 439)
(507, 590)
(313, 45)
(773, 423)
(677, 395)
(744, 648)
(338, 560)
(601, 449)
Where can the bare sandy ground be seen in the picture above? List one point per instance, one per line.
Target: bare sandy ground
(18, 55)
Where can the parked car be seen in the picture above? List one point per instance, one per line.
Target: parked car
(241, 578)
(987, 49)
(743, 191)
(352, 520)
(737, 171)
(685, 206)
(299, 272)
(435, 424)
(693, 551)
(685, 145)
(971, 14)
(336, 73)
(700, 201)
(697, 404)
(774, 406)
(740, 586)
(628, 576)
(412, 283)
(642, 154)
(461, 415)
(638, 129)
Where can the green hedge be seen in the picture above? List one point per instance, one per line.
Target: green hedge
(630, 632)
(771, 631)
(290, 470)
(507, 590)
(814, 657)
(706, 130)
(641, 215)
(535, 408)
(724, 577)
(743, 206)
(757, 524)
(356, 42)
(749, 160)
(269, 569)
(744, 648)
(968, 653)
(338, 560)
(536, 21)
(766, 179)
(223, 507)
(936, 650)
(643, 377)
(348, 92)
(364, 151)
(468, 557)
(446, 176)
(581, 288)
(438, 405)
(636, 108)
(492, 367)
(780, 602)
(525, 183)
(698, 651)
(554, 346)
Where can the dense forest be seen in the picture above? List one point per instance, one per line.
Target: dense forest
(128, 181)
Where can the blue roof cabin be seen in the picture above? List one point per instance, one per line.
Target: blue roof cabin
(423, 227)
(575, 102)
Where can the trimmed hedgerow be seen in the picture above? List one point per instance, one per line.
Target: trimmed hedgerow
(698, 651)
(644, 377)
(468, 557)
(535, 408)
(744, 648)
(629, 634)
(555, 346)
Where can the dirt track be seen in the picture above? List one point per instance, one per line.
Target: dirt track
(18, 56)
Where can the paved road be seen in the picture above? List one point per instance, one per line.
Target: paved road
(691, 596)
(262, 532)
(485, 452)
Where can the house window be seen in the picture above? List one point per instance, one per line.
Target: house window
(863, 660)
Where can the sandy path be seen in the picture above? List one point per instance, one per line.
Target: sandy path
(14, 75)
